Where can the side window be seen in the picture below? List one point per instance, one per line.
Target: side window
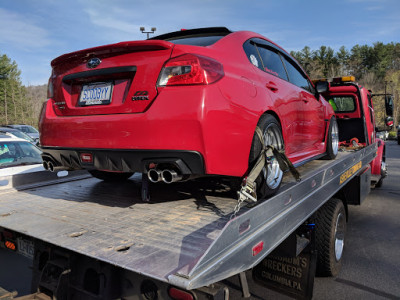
(252, 54)
(272, 62)
(296, 77)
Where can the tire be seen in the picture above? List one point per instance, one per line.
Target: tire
(330, 231)
(379, 183)
(110, 176)
(270, 179)
(332, 145)
(383, 172)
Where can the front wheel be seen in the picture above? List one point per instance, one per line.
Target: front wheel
(330, 230)
(332, 143)
(270, 178)
(110, 176)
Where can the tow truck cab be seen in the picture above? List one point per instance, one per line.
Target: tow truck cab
(355, 116)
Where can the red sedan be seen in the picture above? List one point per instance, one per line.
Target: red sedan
(183, 104)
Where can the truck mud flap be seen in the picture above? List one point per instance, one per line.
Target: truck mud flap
(288, 272)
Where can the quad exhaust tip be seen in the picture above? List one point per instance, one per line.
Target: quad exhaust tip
(48, 165)
(154, 175)
(167, 176)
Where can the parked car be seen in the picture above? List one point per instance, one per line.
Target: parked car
(184, 104)
(28, 130)
(18, 134)
(18, 156)
(381, 135)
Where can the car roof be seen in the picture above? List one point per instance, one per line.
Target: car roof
(7, 138)
(8, 129)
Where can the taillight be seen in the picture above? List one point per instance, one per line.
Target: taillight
(42, 114)
(190, 69)
(178, 294)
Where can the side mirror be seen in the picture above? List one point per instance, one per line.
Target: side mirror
(389, 105)
(389, 121)
(322, 87)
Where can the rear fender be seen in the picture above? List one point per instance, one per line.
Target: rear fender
(380, 156)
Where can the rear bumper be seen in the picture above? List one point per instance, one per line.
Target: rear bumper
(188, 162)
(191, 119)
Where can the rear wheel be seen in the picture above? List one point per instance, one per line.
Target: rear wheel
(330, 230)
(332, 144)
(110, 176)
(270, 178)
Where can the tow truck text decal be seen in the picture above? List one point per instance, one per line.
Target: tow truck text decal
(346, 175)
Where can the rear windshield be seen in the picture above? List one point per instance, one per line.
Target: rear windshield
(343, 104)
(196, 40)
(28, 129)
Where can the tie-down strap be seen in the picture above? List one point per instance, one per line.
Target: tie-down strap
(267, 154)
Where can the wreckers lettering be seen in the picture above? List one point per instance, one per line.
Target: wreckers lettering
(281, 280)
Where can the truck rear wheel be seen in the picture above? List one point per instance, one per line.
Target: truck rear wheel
(330, 230)
(110, 176)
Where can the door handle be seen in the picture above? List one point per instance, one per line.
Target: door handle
(272, 86)
(305, 100)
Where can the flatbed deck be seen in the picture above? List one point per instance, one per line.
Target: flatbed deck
(186, 234)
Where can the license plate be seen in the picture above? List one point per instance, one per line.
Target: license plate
(95, 94)
(26, 248)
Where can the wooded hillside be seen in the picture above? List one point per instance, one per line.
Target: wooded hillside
(376, 67)
(18, 104)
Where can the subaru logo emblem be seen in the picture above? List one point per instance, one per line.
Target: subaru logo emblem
(93, 62)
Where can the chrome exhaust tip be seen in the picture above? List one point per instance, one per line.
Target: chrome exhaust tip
(169, 176)
(45, 165)
(154, 175)
(50, 166)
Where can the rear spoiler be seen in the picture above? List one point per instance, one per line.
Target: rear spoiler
(118, 48)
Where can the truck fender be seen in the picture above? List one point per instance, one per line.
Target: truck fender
(380, 157)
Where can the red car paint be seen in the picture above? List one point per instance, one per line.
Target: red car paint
(215, 120)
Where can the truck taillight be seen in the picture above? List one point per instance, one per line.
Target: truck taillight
(10, 245)
(178, 294)
(190, 69)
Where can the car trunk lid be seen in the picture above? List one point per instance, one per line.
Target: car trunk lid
(111, 79)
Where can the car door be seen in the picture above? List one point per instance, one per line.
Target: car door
(312, 116)
(284, 96)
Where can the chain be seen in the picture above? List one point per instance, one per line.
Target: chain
(237, 208)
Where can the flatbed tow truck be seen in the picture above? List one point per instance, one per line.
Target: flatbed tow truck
(90, 239)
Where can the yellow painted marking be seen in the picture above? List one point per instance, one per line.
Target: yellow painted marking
(346, 175)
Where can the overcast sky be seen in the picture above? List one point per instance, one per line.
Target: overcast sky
(33, 32)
